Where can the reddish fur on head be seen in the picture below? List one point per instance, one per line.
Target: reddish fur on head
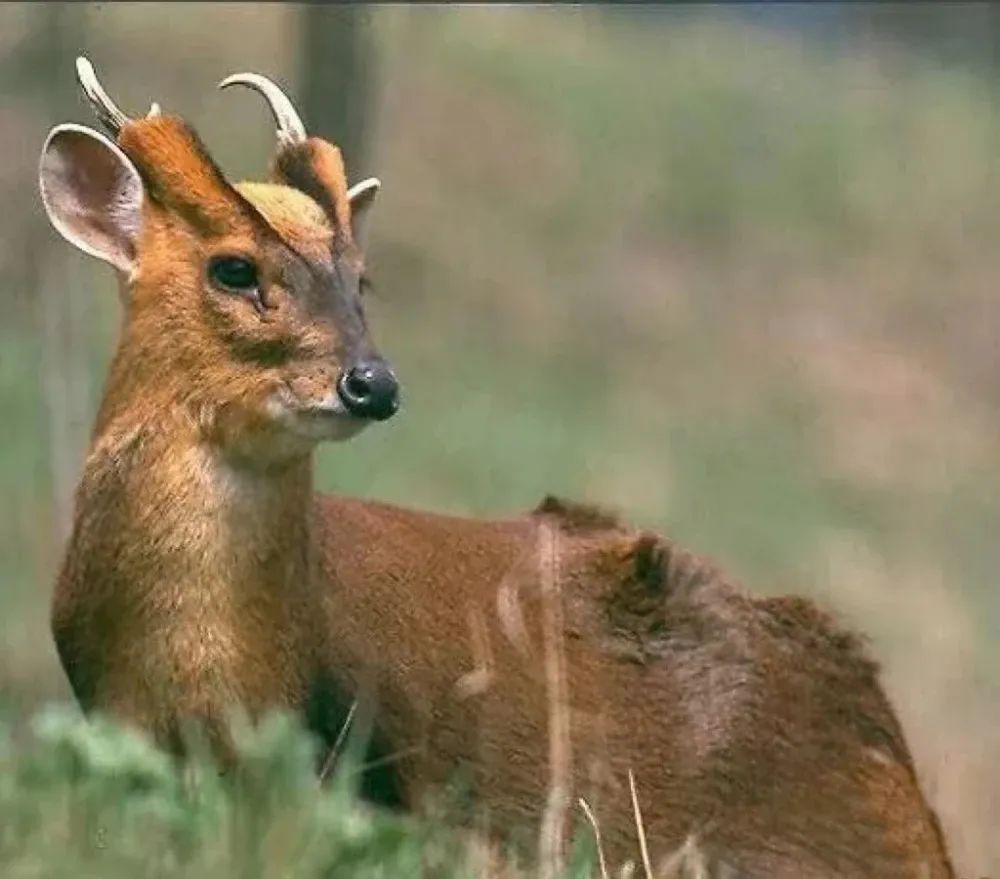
(317, 168)
(181, 177)
(257, 375)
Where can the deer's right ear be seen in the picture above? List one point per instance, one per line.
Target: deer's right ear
(92, 193)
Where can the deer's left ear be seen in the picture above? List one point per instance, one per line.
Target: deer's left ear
(361, 196)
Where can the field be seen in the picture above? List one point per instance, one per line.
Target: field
(735, 281)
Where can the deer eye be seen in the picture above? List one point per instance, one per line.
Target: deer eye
(233, 273)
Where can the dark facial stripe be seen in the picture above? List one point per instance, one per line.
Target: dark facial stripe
(314, 167)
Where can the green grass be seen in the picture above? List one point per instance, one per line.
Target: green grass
(93, 799)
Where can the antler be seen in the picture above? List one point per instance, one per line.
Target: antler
(311, 165)
(286, 117)
(108, 112)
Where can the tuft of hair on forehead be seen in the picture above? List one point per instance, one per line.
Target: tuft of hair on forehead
(307, 205)
(179, 173)
(294, 216)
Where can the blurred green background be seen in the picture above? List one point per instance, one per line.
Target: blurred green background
(730, 270)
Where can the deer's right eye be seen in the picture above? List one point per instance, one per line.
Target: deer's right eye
(233, 273)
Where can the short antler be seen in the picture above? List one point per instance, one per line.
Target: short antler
(110, 116)
(290, 126)
(286, 117)
(310, 164)
(108, 112)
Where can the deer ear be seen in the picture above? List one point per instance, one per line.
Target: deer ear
(361, 196)
(92, 193)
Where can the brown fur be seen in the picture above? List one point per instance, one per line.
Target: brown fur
(316, 168)
(572, 516)
(179, 173)
(203, 573)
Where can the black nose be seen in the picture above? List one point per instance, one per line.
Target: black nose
(369, 390)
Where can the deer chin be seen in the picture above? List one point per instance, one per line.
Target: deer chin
(326, 425)
(325, 420)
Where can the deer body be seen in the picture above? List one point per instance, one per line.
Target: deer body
(754, 724)
(203, 572)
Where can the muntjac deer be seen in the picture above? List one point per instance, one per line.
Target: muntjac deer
(541, 659)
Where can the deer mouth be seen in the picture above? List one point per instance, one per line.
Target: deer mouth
(328, 421)
(323, 420)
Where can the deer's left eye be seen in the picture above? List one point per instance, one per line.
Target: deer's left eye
(234, 273)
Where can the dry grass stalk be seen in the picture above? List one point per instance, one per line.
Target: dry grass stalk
(597, 836)
(477, 681)
(640, 829)
(331, 757)
(688, 862)
(552, 832)
(509, 613)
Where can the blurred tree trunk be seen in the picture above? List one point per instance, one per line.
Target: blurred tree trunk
(61, 297)
(335, 78)
(992, 31)
(958, 33)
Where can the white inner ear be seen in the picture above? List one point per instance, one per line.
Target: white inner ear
(92, 193)
(361, 196)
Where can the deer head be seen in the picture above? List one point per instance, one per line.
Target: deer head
(242, 302)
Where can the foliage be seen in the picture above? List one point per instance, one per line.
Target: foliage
(93, 799)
